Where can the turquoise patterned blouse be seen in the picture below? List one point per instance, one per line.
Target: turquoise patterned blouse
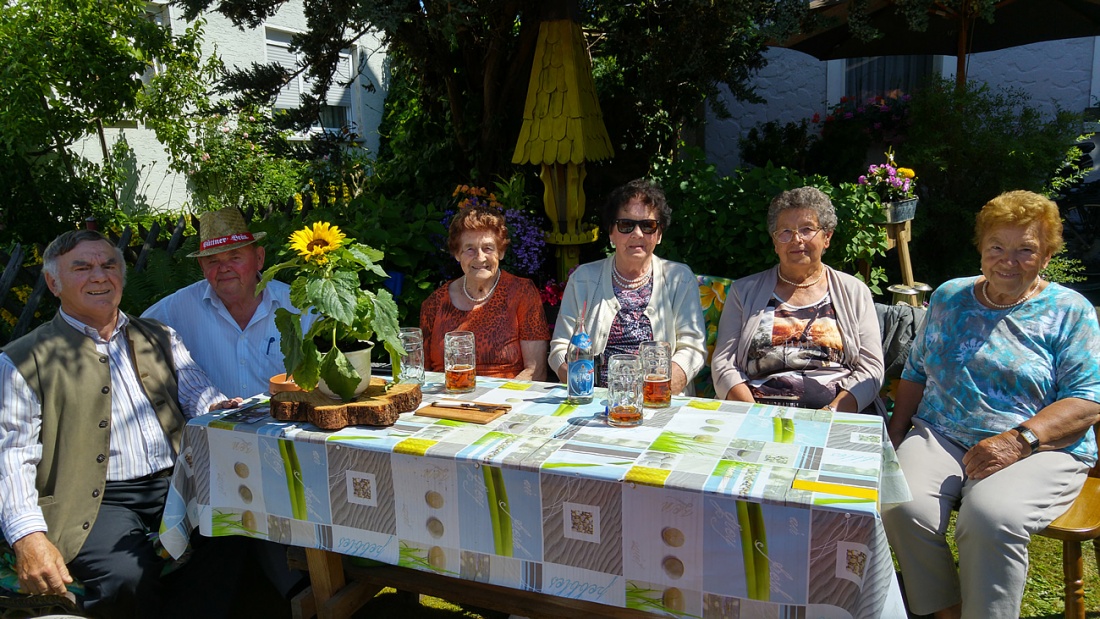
(984, 370)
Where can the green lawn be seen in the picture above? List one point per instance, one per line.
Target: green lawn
(1043, 594)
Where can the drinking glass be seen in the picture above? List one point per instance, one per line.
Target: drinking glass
(656, 360)
(459, 361)
(412, 364)
(624, 391)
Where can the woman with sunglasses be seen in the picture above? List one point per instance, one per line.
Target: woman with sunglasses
(800, 334)
(633, 296)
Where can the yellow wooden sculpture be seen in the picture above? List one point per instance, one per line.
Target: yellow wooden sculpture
(562, 128)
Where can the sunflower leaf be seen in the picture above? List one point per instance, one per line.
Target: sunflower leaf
(339, 374)
(335, 296)
(384, 321)
(307, 372)
(290, 338)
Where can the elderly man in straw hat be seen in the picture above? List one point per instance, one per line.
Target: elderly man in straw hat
(231, 331)
(92, 408)
(228, 329)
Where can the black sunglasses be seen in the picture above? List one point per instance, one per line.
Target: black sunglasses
(626, 226)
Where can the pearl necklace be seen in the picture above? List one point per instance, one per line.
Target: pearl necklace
(803, 284)
(985, 293)
(631, 284)
(484, 298)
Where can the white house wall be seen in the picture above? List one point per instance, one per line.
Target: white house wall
(1055, 74)
(166, 191)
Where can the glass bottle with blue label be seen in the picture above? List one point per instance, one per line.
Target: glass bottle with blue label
(581, 369)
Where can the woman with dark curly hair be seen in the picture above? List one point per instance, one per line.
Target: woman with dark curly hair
(633, 296)
(503, 311)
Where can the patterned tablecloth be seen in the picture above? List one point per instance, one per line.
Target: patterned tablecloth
(710, 509)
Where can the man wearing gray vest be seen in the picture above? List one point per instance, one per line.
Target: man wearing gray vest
(92, 407)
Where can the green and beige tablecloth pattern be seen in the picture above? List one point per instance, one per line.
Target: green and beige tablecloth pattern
(710, 509)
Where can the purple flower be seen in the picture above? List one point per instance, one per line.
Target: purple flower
(862, 180)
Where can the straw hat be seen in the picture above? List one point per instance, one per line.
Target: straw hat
(222, 231)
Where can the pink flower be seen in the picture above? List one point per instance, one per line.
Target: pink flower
(205, 157)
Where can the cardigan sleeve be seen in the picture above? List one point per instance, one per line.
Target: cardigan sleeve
(690, 349)
(725, 371)
(866, 363)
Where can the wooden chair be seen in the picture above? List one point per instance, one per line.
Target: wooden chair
(1080, 523)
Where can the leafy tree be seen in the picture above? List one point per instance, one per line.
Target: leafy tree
(469, 61)
(69, 69)
(967, 147)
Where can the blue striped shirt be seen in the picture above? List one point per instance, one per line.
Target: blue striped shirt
(138, 444)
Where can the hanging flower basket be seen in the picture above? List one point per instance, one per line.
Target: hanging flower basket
(900, 211)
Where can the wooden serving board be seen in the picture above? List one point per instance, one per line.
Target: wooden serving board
(376, 406)
(458, 414)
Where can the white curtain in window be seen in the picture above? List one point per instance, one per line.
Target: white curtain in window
(866, 78)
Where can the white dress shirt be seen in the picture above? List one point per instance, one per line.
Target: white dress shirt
(240, 362)
(138, 444)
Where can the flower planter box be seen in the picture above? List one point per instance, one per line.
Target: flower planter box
(898, 212)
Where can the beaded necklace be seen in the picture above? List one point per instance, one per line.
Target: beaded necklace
(630, 284)
(985, 293)
(803, 284)
(487, 295)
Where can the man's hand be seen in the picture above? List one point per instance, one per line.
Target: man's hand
(992, 454)
(232, 403)
(39, 565)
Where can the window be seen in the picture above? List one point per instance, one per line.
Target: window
(337, 111)
(158, 14)
(865, 78)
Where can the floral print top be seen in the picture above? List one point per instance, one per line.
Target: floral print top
(985, 370)
(630, 327)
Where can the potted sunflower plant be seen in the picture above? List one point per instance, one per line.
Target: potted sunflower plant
(334, 354)
(895, 188)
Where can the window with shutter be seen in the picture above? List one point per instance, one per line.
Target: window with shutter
(337, 111)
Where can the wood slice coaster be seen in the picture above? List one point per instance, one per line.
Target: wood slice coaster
(374, 407)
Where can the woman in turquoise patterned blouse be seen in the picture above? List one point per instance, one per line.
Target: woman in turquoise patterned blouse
(993, 417)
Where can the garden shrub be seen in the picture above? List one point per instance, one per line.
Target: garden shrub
(719, 223)
(967, 147)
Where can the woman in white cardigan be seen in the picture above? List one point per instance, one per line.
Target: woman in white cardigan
(801, 333)
(633, 296)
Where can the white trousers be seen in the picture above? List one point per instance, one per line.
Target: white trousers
(997, 516)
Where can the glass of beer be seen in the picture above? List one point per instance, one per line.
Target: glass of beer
(412, 364)
(624, 391)
(656, 360)
(459, 361)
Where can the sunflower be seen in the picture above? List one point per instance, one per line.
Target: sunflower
(317, 242)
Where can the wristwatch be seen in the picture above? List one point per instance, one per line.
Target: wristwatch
(1028, 436)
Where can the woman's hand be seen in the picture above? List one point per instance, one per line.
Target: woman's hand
(993, 454)
(679, 378)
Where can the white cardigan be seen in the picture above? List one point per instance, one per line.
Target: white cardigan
(675, 312)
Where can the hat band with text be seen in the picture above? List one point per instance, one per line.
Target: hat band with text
(240, 237)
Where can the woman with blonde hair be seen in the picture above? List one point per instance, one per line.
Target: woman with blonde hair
(993, 416)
